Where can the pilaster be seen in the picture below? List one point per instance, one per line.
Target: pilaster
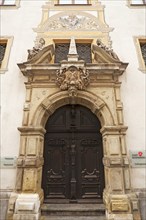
(120, 201)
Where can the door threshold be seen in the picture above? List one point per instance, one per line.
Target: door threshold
(78, 201)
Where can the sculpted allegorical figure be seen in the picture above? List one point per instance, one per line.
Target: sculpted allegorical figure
(38, 46)
(107, 49)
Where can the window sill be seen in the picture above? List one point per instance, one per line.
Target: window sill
(137, 5)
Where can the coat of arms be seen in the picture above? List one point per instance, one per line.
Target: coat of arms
(72, 79)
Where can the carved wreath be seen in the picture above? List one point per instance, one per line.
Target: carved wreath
(72, 78)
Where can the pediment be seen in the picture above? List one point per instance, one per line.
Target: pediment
(43, 56)
(104, 59)
(101, 55)
(104, 56)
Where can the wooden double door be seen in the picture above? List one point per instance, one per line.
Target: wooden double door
(73, 168)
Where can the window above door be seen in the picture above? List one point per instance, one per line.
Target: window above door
(83, 50)
(73, 2)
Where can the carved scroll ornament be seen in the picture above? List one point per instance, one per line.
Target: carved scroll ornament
(72, 79)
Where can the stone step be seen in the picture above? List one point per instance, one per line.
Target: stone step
(73, 218)
(73, 210)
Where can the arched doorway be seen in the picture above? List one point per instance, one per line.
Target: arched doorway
(73, 152)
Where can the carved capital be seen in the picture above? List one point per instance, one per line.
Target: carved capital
(72, 79)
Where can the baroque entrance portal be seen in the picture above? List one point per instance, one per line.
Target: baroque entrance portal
(61, 139)
(73, 168)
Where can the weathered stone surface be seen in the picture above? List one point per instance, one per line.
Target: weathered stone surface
(27, 206)
(120, 206)
(29, 181)
(26, 216)
(120, 217)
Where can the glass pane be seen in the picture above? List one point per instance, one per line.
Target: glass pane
(2, 51)
(73, 2)
(1, 2)
(9, 2)
(137, 2)
(65, 2)
(81, 2)
(83, 50)
(143, 51)
(61, 52)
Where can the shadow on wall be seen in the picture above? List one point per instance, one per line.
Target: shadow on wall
(142, 201)
(4, 199)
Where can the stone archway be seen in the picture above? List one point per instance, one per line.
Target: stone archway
(96, 104)
(31, 160)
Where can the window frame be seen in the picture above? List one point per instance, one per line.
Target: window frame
(73, 3)
(77, 41)
(130, 4)
(137, 40)
(4, 63)
(10, 6)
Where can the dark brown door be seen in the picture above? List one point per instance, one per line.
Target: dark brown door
(73, 154)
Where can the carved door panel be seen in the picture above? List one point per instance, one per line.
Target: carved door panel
(90, 168)
(73, 154)
(56, 169)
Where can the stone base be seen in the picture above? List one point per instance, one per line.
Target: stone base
(119, 217)
(27, 206)
(122, 207)
(26, 216)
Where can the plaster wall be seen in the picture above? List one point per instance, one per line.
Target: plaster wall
(127, 22)
(17, 23)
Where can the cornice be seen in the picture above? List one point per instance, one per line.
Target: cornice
(42, 69)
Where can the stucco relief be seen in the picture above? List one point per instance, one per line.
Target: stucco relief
(72, 21)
